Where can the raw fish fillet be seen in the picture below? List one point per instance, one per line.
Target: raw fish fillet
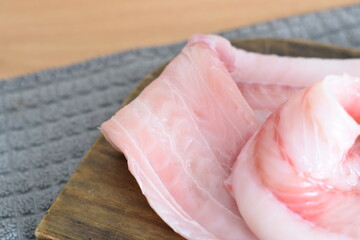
(181, 136)
(298, 176)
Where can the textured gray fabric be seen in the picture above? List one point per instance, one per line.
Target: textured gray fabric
(48, 120)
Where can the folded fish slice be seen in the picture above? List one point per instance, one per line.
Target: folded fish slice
(267, 81)
(301, 169)
(181, 136)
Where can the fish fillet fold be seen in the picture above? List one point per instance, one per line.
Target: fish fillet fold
(181, 136)
(267, 81)
(298, 176)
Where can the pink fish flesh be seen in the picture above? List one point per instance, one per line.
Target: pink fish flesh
(182, 134)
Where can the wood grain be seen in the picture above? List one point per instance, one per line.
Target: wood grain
(40, 34)
(103, 201)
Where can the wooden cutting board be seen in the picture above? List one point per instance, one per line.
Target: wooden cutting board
(102, 199)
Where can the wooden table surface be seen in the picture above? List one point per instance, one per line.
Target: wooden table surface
(41, 34)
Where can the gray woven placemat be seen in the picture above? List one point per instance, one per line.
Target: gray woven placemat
(48, 120)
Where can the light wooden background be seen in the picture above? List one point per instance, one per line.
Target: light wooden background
(40, 34)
